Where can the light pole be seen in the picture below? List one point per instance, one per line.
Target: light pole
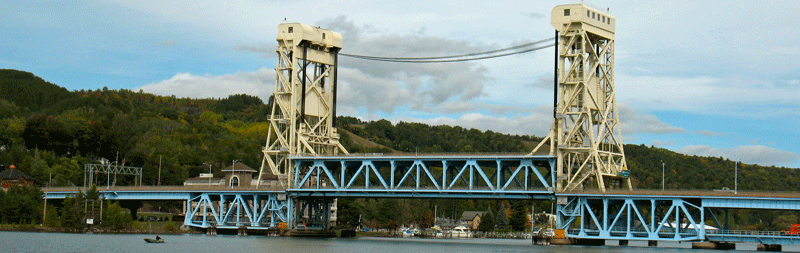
(662, 175)
(209, 172)
(233, 172)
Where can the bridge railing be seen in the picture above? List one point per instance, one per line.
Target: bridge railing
(747, 232)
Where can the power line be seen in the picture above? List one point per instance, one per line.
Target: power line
(459, 58)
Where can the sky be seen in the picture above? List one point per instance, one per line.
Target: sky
(707, 78)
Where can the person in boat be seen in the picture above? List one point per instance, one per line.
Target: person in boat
(158, 238)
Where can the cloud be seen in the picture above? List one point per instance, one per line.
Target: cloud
(537, 123)
(545, 82)
(756, 154)
(266, 50)
(534, 15)
(634, 122)
(381, 86)
(167, 43)
(258, 83)
(659, 143)
(733, 94)
(707, 133)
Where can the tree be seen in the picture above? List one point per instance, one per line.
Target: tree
(501, 222)
(427, 219)
(487, 222)
(349, 213)
(519, 218)
(46, 132)
(22, 205)
(51, 217)
(72, 212)
(115, 218)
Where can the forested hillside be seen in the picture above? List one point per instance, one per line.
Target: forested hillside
(70, 129)
(46, 130)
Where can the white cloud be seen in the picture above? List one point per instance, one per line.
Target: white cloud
(756, 154)
(707, 133)
(258, 83)
(635, 122)
(735, 95)
(659, 143)
(536, 124)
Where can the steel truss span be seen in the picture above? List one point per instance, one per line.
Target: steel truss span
(254, 210)
(631, 218)
(523, 177)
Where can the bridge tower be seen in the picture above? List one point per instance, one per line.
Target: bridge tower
(303, 119)
(585, 136)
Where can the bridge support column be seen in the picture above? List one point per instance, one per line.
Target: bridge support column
(312, 213)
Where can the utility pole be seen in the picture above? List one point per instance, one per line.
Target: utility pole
(662, 175)
(736, 178)
(159, 170)
(209, 172)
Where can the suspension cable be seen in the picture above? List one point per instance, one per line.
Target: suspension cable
(459, 58)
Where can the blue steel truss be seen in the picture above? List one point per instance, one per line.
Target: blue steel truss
(424, 176)
(664, 218)
(254, 210)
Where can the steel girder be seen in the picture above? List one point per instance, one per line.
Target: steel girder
(424, 176)
(236, 209)
(660, 218)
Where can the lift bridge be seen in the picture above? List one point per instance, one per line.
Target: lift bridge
(580, 164)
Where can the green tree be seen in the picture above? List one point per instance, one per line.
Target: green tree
(350, 211)
(51, 217)
(519, 218)
(22, 205)
(72, 212)
(115, 217)
(501, 220)
(487, 222)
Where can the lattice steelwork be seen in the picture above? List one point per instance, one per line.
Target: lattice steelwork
(254, 210)
(90, 170)
(662, 218)
(523, 177)
(586, 132)
(304, 108)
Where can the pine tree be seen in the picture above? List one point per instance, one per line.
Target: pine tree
(501, 221)
(487, 222)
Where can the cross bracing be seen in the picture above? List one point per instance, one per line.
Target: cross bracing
(304, 105)
(424, 176)
(91, 170)
(586, 134)
(254, 210)
(631, 218)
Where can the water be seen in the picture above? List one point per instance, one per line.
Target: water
(58, 242)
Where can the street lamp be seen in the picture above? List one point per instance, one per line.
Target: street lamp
(662, 175)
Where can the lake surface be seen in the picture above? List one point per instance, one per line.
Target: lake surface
(58, 242)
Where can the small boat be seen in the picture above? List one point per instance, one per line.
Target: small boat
(149, 240)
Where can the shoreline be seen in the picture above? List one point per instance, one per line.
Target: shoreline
(45, 229)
